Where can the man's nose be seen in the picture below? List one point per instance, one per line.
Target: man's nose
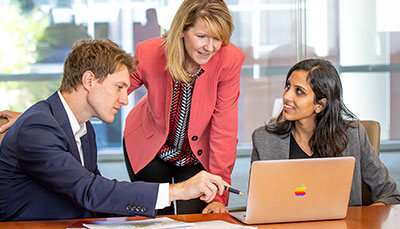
(123, 99)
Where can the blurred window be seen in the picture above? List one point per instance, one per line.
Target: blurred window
(364, 45)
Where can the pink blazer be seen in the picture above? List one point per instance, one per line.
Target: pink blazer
(213, 121)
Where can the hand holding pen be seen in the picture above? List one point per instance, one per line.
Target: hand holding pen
(232, 190)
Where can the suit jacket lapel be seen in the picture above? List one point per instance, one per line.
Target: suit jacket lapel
(62, 118)
(87, 155)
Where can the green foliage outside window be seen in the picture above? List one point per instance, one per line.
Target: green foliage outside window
(20, 33)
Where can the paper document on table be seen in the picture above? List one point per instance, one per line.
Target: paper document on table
(217, 224)
(163, 222)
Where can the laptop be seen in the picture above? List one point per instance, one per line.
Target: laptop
(298, 190)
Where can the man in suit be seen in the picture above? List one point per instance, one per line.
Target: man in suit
(48, 157)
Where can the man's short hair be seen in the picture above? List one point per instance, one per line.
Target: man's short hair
(102, 57)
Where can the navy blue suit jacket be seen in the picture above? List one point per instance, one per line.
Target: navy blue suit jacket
(41, 176)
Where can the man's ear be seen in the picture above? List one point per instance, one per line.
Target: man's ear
(320, 105)
(88, 78)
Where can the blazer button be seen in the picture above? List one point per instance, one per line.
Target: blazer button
(128, 207)
(194, 138)
(199, 152)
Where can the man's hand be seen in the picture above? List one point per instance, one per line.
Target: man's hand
(204, 185)
(11, 116)
(215, 207)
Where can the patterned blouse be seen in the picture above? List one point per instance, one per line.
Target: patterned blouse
(176, 149)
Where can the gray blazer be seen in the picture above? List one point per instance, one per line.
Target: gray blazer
(368, 167)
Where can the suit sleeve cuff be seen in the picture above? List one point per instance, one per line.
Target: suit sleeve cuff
(163, 196)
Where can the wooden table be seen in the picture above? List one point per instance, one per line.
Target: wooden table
(357, 217)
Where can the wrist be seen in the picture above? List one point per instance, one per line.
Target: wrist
(174, 192)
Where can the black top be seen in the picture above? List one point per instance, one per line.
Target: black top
(295, 152)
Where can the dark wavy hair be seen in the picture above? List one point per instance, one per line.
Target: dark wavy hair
(329, 138)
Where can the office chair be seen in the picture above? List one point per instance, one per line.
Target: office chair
(2, 121)
(373, 129)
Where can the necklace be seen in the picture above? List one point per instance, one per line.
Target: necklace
(192, 75)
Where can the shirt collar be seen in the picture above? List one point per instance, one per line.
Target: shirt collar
(77, 129)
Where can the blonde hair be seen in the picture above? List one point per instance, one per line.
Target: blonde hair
(215, 14)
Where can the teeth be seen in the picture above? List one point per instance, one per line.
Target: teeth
(287, 106)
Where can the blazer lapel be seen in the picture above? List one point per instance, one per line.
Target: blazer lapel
(199, 94)
(283, 148)
(62, 118)
(168, 97)
(202, 89)
(87, 155)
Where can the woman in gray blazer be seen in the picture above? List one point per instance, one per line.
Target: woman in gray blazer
(312, 124)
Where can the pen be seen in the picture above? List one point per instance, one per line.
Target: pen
(229, 189)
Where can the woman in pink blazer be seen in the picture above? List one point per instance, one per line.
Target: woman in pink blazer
(188, 120)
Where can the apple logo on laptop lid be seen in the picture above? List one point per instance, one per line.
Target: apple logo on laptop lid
(300, 191)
